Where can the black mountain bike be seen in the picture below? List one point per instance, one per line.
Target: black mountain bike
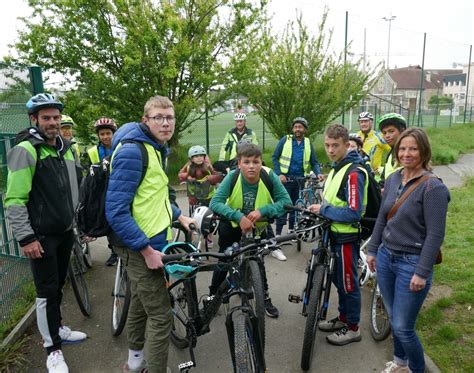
(78, 265)
(315, 295)
(243, 321)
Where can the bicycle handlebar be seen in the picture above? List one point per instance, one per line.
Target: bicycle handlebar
(305, 212)
(229, 254)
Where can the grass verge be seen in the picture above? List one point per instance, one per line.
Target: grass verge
(449, 143)
(13, 357)
(25, 299)
(446, 327)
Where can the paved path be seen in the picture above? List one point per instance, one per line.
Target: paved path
(104, 353)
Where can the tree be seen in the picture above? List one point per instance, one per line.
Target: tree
(443, 101)
(299, 77)
(118, 53)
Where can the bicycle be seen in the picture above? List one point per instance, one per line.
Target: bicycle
(320, 268)
(78, 265)
(243, 321)
(379, 319)
(309, 193)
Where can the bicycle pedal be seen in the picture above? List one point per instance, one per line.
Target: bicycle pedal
(185, 367)
(292, 298)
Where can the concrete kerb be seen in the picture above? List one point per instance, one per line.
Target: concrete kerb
(20, 328)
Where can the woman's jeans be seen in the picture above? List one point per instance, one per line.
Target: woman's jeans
(394, 272)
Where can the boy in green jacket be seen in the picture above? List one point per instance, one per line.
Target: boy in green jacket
(246, 196)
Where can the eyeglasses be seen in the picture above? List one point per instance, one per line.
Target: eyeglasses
(160, 119)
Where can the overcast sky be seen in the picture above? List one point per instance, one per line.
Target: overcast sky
(449, 27)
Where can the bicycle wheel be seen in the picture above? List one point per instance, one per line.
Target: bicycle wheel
(379, 320)
(258, 302)
(122, 296)
(312, 319)
(246, 354)
(76, 272)
(301, 204)
(183, 307)
(86, 254)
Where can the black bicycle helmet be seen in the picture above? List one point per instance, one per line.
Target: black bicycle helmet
(43, 101)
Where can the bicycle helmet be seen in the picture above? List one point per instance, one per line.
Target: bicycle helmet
(43, 101)
(392, 119)
(204, 220)
(196, 150)
(178, 270)
(240, 116)
(104, 122)
(365, 115)
(357, 139)
(66, 120)
(300, 120)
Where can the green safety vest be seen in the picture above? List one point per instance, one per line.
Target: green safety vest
(93, 154)
(331, 188)
(285, 157)
(263, 198)
(390, 166)
(151, 206)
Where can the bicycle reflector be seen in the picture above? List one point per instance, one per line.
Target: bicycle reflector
(180, 270)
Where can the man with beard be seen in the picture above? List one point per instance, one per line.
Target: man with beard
(294, 156)
(41, 194)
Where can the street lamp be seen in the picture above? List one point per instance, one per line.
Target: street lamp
(389, 19)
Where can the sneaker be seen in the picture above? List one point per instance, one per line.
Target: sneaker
(393, 367)
(209, 242)
(278, 254)
(69, 336)
(55, 362)
(344, 336)
(270, 309)
(331, 325)
(143, 368)
(113, 259)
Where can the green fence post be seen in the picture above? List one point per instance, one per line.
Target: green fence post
(263, 135)
(36, 79)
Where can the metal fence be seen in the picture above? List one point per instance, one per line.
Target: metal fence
(14, 268)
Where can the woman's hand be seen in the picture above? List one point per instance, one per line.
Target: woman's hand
(371, 262)
(417, 283)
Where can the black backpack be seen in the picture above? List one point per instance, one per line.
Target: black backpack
(90, 212)
(374, 199)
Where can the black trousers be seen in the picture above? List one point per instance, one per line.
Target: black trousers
(49, 275)
(227, 236)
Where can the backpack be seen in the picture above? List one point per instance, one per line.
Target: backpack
(374, 199)
(90, 211)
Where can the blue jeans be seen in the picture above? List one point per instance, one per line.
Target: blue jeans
(394, 272)
(293, 190)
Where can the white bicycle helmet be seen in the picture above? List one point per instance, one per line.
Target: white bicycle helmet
(204, 221)
(240, 116)
(196, 150)
(365, 115)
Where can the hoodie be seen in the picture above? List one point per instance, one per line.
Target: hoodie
(124, 180)
(42, 186)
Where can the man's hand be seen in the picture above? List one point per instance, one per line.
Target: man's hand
(282, 178)
(315, 208)
(246, 225)
(254, 216)
(33, 250)
(185, 221)
(417, 283)
(371, 263)
(191, 178)
(152, 257)
(321, 178)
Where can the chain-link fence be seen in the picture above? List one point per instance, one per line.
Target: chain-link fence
(14, 269)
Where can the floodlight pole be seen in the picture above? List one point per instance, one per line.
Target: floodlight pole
(389, 19)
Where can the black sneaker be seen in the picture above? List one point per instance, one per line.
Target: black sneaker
(113, 259)
(270, 309)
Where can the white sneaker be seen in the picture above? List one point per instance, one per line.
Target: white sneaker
(69, 336)
(56, 363)
(393, 367)
(278, 254)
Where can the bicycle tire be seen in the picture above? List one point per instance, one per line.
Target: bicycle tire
(258, 297)
(86, 254)
(122, 296)
(76, 272)
(245, 351)
(312, 320)
(182, 306)
(301, 204)
(379, 319)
